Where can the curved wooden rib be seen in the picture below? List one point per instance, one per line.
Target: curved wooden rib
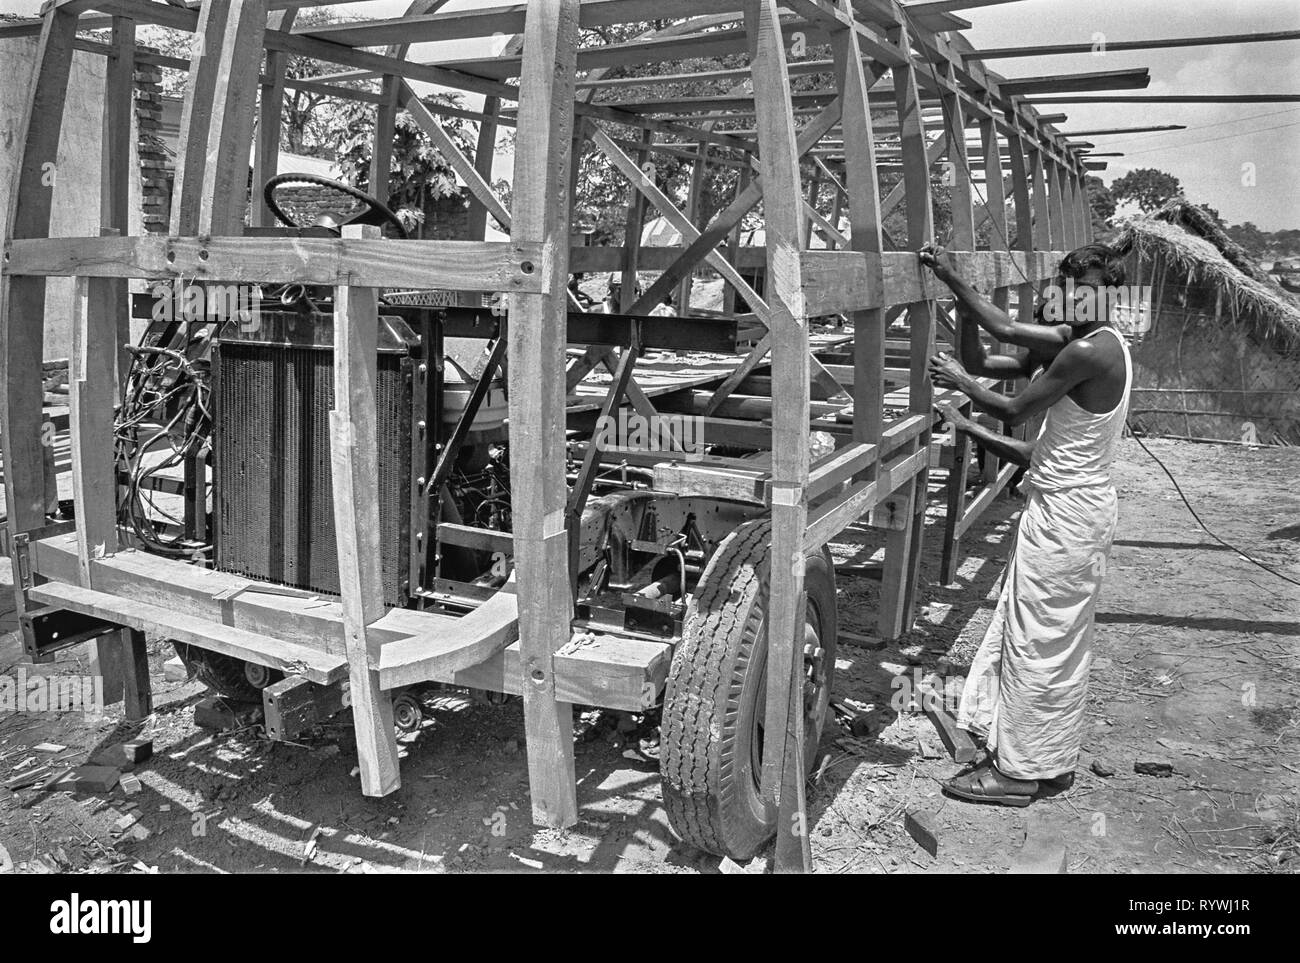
(468, 641)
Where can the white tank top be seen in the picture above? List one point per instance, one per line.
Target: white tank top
(1075, 446)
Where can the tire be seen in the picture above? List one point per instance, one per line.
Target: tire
(713, 706)
(224, 674)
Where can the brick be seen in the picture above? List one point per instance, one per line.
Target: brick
(1153, 767)
(91, 779)
(174, 669)
(138, 750)
(924, 829)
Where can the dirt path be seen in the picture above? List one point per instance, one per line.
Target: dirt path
(1196, 666)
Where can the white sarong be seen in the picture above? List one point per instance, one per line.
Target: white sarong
(1028, 684)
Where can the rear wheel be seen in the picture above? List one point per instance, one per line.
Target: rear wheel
(226, 675)
(712, 732)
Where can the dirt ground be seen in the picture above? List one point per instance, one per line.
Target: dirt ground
(1196, 666)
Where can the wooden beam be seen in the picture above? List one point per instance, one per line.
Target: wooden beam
(536, 364)
(783, 746)
(91, 393)
(904, 515)
(866, 215)
(270, 107)
(1174, 99)
(26, 214)
(354, 465)
(1114, 46)
(456, 265)
(117, 172)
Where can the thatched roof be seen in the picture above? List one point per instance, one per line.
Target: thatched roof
(1189, 240)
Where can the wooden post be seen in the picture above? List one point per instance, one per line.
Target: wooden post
(1024, 216)
(1056, 207)
(536, 362)
(91, 391)
(698, 172)
(381, 153)
(783, 747)
(907, 506)
(270, 106)
(863, 189)
(117, 173)
(633, 228)
(354, 465)
(733, 241)
(1046, 237)
(26, 214)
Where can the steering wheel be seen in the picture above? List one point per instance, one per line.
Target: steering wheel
(375, 212)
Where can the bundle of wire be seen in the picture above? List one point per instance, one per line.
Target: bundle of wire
(164, 413)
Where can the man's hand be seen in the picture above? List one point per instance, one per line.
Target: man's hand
(949, 413)
(937, 260)
(947, 372)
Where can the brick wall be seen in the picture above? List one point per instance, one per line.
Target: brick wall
(155, 164)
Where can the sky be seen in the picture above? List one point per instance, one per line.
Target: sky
(1242, 159)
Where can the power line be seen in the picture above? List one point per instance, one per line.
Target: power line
(1209, 140)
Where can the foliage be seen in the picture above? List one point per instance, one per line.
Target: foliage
(1150, 189)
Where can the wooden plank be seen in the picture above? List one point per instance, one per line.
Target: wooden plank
(22, 301)
(261, 608)
(473, 639)
(381, 151)
(605, 670)
(197, 116)
(1112, 46)
(903, 544)
(1020, 184)
(270, 108)
(137, 691)
(370, 262)
(536, 364)
(866, 217)
(833, 515)
(91, 394)
(117, 173)
(155, 620)
(354, 464)
(469, 172)
(782, 780)
(225, 172)
(843, 280)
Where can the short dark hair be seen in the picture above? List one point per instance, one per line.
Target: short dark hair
(1082, 259)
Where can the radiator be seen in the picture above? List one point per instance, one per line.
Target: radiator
(273, 513)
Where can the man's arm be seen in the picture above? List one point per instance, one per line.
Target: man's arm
(1044, 339)
(1077, 363)
(1005, 447)
(976, 359)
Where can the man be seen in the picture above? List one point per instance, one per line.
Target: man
(1028, 683)
(1038, 354)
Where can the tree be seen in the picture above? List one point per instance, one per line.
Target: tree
(1150, 189)
(1101, 204)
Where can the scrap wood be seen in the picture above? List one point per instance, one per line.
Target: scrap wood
(957, 741)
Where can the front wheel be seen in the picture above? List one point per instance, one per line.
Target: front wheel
(713, 716)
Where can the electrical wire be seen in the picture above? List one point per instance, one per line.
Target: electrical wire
(1208, 531)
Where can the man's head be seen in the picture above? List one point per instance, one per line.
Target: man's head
(1087, 273)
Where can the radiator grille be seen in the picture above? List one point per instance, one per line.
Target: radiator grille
(274, 513)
